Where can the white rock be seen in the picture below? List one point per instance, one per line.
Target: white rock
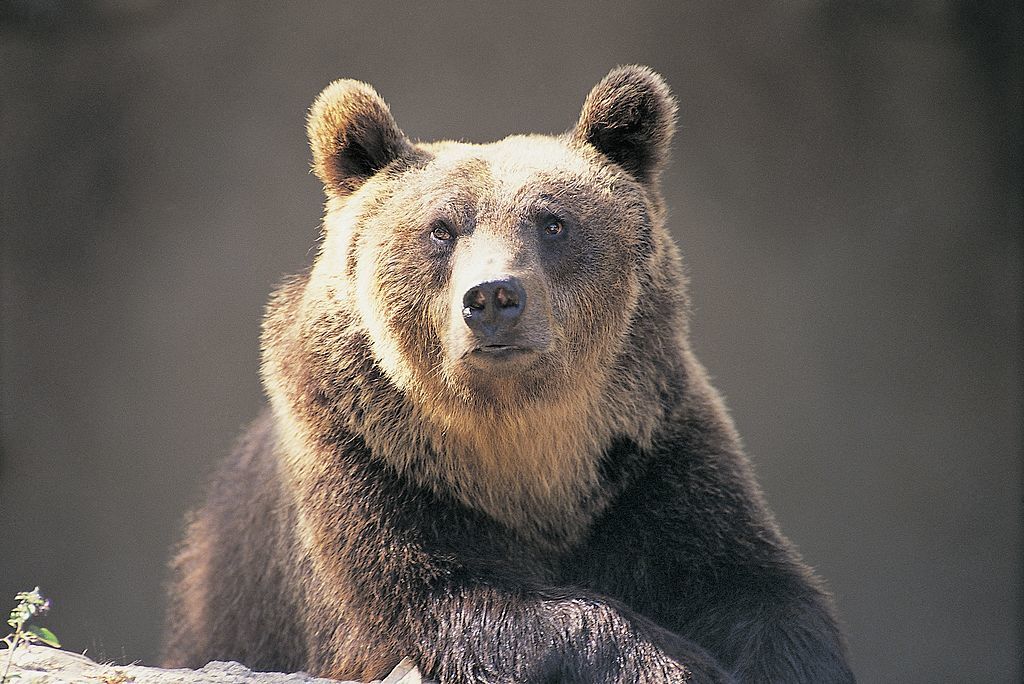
(43, 665)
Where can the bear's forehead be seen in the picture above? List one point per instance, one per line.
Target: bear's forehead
(506, 178)
(517, 165)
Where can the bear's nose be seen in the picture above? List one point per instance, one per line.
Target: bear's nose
(491, 307)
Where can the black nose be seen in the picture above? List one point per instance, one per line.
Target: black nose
(490, 308)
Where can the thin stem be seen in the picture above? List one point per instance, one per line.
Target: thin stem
(11, 643)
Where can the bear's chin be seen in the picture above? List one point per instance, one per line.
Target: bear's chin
(503, 374)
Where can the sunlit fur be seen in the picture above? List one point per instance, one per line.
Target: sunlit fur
(582, 512)
(524, 450)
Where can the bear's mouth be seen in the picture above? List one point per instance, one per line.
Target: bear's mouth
(500, 351)
(499, 354)
(496, 357)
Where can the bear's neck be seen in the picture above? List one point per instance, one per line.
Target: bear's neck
(534, 469)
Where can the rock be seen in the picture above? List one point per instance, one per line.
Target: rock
(42, 665)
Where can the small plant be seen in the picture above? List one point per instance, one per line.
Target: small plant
(30, 605)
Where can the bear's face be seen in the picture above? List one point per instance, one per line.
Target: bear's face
(496, 272)
(492, 274)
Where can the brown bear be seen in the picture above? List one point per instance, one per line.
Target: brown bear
(488, 445)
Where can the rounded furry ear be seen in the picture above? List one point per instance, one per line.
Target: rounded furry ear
(630, 118)
(352, 135)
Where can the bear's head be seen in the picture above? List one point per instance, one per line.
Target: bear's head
(514, 298)
(493, 272)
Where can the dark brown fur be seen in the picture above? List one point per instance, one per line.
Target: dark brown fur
(583, 515)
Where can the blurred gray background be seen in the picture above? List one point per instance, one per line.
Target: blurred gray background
(845, 186)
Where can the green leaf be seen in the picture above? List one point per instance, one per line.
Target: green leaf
(44, 635)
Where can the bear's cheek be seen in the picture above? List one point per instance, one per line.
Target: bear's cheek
(395, 292)
(594, 292)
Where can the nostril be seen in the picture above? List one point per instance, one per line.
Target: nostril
(475, 299)
(506, 298)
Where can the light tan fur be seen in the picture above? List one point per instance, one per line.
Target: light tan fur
(530, 461)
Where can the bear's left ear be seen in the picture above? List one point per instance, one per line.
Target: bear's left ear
(630, 118)
(352, 135)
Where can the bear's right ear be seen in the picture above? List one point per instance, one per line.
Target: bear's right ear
(352, 135)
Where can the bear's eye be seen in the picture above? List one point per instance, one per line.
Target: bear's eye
(442, 233)
(553, 226)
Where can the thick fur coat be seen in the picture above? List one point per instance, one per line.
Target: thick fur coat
(489, 446)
